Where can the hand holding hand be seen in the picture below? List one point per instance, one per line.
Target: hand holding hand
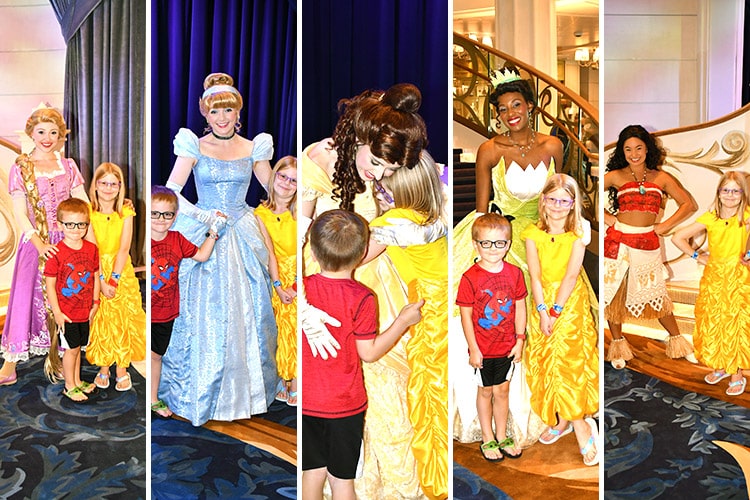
(404, 233)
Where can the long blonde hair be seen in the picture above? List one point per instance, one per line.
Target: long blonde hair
(107, 168)
(574, 221)
(284, 163)
(741, 179)
(418, 188)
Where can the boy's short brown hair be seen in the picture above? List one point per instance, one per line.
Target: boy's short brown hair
(339, 239)
(491, 221)
(73, 206)
(163, 193)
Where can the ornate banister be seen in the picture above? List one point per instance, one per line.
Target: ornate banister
(559, 111)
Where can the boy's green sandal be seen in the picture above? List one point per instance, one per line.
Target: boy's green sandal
(490, 446)
(75, 394)
(509, 443)
(87, 388)
(161, 409)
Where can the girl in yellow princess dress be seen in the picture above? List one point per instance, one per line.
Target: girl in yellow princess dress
(563, 356)
(415, 195)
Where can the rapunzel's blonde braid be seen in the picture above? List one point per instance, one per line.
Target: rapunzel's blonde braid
(53, 364)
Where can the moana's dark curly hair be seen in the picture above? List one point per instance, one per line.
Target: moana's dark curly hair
(388, 122)
(655, 155)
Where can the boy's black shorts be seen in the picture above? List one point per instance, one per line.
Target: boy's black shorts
(334, 443)
(75, 335)
(161, 334)
(495, 371)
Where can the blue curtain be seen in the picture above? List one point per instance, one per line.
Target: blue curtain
(353, 45)
(254, 41)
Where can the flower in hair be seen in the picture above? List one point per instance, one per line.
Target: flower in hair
(502, 76)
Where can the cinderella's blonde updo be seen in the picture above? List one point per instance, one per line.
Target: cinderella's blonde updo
(222, 98)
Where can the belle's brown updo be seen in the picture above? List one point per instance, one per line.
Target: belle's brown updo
(388, 122)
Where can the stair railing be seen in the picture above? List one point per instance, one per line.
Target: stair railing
(559, 111)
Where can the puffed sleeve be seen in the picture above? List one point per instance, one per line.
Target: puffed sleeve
(263, 147)
(186, 144)
(75, 178)
(15, 181)
(127, 211)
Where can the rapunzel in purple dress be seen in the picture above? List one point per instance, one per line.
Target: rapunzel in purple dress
(25, 333)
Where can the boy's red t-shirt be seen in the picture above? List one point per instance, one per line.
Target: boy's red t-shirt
(165, 266)
(335, 388)
(493, 298)
(75, 271)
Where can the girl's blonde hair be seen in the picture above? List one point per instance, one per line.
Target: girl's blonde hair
(741, 179)
(284, 163)
(225, 98)
(574, 221)
(418, 188)
(102, 170)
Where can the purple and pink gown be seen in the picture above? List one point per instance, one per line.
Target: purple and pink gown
(25, 333)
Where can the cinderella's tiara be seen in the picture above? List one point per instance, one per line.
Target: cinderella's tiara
(504, 75)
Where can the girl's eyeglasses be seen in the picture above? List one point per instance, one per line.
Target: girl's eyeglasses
(75, 225)
(107, 184)
(489, 243)
(286, 178)
(730, 192)
(386, 196)
(167, 215)
(556, 202)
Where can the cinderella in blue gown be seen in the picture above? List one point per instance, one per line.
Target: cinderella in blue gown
(220, 364)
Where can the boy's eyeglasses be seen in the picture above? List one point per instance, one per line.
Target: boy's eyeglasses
(75, 225)
(107, 184)
(489, 243)
(557, 202)
(155, 215)
(286, 178)
(730, 192)
(387, 197)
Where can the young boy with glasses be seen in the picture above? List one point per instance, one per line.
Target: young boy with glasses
(73, 295)
(168, 248)
(493, 315)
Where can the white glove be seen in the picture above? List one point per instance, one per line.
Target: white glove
(214, 219)
(314, 327)
(404, 233)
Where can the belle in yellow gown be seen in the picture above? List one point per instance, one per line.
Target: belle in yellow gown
(563, 368)
(424, 269)
(390, 470)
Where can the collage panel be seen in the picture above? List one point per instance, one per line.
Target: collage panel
(374, 182)
(72, 383)
(675, 263)
(223, 392)
(524, 330)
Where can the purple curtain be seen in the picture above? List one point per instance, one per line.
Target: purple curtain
(254, 41)
(352, 45)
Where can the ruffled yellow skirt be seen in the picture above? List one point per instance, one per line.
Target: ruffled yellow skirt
(722, 322)
(286, 322)
(118, 331)
(427, 354)
(562, 370)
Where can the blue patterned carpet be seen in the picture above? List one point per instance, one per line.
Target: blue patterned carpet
(51, 447)
(469, 486)
(661, 442)
(194, 462)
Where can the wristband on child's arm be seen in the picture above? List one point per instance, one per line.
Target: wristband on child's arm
(520, 336)
(541, 307)
(747, 255)
(276, 283)
(97, 302)
(695, 255)
(556, 310)
(112, 282)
